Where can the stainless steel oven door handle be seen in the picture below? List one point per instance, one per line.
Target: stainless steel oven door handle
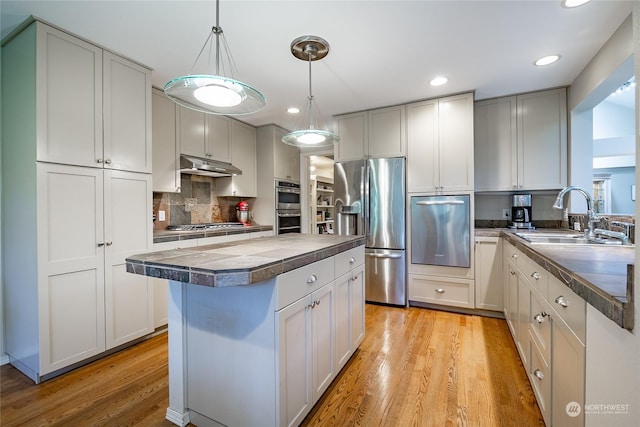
(288, 190)
(288, 214)
(441, 202)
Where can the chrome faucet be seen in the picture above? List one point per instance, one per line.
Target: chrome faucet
(591, 215)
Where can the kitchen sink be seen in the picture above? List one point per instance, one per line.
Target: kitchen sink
(560, 238)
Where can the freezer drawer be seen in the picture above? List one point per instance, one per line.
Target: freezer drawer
(385, 276)
(440, 230)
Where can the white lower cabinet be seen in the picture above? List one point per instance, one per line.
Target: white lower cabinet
(548, 324)
(78, 292)
(306, 348)
(488, 274)
(448, 291)
(275, 346)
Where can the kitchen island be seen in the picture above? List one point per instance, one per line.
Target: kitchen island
(259, 328)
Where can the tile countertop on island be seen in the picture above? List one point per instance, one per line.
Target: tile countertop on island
(601, 275)
(241, 262)
(161, 236)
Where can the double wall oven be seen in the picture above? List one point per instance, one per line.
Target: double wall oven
(287, 207)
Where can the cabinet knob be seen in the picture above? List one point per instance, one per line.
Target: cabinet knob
(539, 375)
(107, 161)
(98, 160)
(440, 290)
(109, 243)
(514, 256)
(312, 279)
(536, 275)
(562, 301)
(513, 273)
(101, 244)
(540, 317)
(352, 260)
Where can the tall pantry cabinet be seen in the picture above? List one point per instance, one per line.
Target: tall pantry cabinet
(76, 199)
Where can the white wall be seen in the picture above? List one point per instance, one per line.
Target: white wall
(612, 121)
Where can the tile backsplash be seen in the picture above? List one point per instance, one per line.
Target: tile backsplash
(197, 203)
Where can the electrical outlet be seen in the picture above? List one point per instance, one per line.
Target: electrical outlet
(161, 216)
(506, 213)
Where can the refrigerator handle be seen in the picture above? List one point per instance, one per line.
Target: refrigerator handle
(365, 181)
(392, 256)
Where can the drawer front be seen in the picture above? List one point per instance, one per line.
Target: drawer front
(295, 284)
(510, 252)
(569, 306)
(536, 275)
(540, 379)
(442, 291)
(347, 260)
(540, 325)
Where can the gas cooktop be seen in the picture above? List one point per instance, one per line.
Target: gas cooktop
(210, 226)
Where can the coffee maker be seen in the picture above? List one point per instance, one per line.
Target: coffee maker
(521, 211)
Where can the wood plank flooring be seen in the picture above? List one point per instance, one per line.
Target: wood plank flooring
(416, 367)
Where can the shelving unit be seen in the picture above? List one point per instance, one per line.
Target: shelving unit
(322, 209)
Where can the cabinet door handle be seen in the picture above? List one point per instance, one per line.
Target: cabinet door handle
(317, 302)
(562, 301)
(440, 290)
(536, 275)
(513, 273)
(100, 244)
(107, 161)
(109, 243)
(540, 317)
(354, 278)
(312, 279)
(514, 256)
(539, 375)
(352, 260)
(98, 160)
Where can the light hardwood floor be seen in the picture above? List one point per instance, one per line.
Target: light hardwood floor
(416, 367)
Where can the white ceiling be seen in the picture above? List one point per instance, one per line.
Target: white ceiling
(382, 52)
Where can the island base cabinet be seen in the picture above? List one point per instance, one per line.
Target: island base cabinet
(261, 354)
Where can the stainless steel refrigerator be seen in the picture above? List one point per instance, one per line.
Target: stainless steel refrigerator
(370, 200)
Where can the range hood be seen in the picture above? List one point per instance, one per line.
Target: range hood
(208, 167)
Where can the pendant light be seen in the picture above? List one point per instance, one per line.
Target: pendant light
(215, 94)
(311, 134)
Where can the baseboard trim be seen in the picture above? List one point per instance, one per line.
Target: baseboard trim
(178, 418)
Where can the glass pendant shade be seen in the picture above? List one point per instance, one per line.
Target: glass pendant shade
(310, 135)
(215, 94)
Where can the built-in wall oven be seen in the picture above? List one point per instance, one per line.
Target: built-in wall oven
(287, 207)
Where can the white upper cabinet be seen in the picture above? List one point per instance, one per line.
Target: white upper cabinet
(243, 156)
(376, 133)
(166, 150)
(93, 107)
(496, 153)
(204, 135)
(353, 130)
(440, 144)
(387, 132)
(521, 142)
(68, 76)
(286, 158)
(127, 114)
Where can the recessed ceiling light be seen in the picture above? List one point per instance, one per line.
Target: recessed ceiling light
(546, 60)
(574, 3)
(293, 110)
(438, 81)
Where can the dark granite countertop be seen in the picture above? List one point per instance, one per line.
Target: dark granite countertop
(601, 275)
(162, 236)
(241, 262)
